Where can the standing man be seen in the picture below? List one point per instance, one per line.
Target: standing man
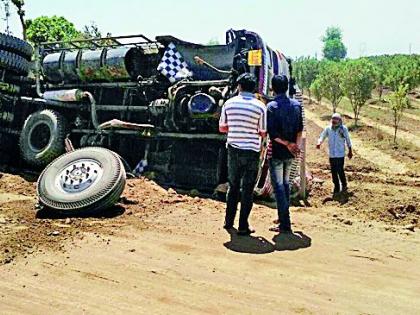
(285, 126)
(338, 136)
(244, 119)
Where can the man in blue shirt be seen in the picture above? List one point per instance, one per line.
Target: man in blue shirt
(285, 126)
(338, 136)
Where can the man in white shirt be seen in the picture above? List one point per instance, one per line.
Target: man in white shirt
(244, 119)
(338, 137)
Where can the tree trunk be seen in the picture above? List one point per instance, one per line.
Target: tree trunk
(356, 116)
(309, 94)
(22, 21)
(380, 92)
(395, 126)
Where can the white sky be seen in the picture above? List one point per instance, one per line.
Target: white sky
(294, 26)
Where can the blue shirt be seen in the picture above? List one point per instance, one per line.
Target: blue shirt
(337, 139)
(285, 122)
(246, 117)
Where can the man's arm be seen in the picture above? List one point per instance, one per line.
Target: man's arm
(348, 142)
(322, 137)
(273, 127)
(262, 124)
(271, 123)
(223, 125)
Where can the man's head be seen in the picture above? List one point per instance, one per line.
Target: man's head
(336, 119)
(280, 84)
(247, 82)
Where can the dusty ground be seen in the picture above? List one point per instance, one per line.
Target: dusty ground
(160, 252)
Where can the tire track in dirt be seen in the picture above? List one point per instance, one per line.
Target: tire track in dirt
(382, 160)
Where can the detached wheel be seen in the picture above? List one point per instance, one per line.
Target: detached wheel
(42, 137)
(83, 181)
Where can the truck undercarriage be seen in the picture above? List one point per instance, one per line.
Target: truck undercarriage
(155, 102)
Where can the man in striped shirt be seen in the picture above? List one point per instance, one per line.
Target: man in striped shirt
(244, 119)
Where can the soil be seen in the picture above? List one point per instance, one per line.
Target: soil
(159, 251)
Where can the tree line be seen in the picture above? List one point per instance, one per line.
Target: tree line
(357, 78)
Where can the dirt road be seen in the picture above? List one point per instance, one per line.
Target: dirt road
(161, 252)
(185, 264)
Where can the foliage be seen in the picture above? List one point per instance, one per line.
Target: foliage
(402, 70)
(316, 90)
(334, 48)
(330, 77)
(55, 28)
(92, 31)
(358, 80)
(398, 102)
(213, 42)
(306, 70)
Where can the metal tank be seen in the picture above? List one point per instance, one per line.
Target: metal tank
(115, 63)
(70, 66)
(91, 65)
(53, 67)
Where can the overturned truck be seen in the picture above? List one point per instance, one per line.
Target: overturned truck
(155, 102)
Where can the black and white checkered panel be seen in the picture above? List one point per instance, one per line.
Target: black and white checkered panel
(173, 65)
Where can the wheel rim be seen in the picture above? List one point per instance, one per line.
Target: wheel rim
(39, 137)
(79, 175)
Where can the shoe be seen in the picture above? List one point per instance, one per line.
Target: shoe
(245, 232)
(277, 229)
(285, 231)
(228, 226)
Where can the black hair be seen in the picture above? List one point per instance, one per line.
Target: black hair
(247, 81)
(280, 84)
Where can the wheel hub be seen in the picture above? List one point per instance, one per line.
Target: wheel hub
(79, 175)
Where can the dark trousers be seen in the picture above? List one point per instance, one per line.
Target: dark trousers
(338, 175)
(242, 174)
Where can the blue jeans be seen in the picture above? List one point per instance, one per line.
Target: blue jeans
(280, 176)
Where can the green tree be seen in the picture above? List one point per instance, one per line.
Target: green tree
(380, 63)
(398, 103)
(316, 90)
(330, 78)
(213, 42)
(334, 48)
(306, 70)
(404, 70)
(54, 28)
(358, 80)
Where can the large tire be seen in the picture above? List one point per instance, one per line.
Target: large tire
(14, 63)
(16, 45)
(82, 182)
(42, 137)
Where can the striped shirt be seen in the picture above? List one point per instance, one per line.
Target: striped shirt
(245, 117)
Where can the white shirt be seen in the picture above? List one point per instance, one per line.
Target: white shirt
(246, 117)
